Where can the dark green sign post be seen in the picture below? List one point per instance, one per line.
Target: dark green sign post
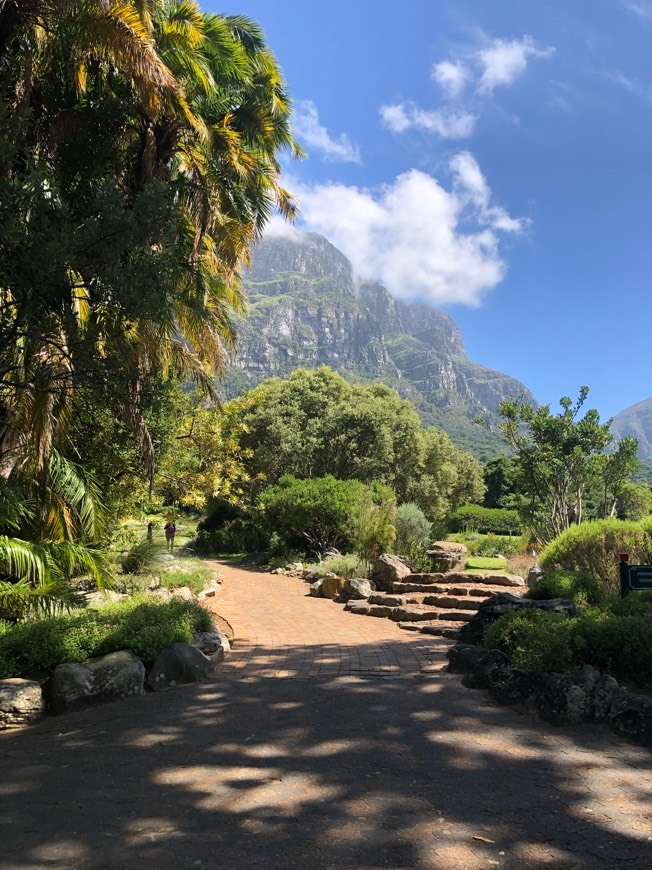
(633, 577)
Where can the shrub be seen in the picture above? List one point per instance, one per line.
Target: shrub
(593, 548)
(580, 587)
(413, 528)
(534, 639)
(346, 566)
(613, 637)
(490, 545)
(144, 627)
(320, 512)
(142, 555)
(193, 574)
(498, 521)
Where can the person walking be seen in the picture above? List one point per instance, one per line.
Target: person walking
(170, 532)
(150, 532)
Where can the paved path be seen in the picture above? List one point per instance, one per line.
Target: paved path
(327, 740)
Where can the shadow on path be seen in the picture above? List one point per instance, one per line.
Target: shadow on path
(344, 771)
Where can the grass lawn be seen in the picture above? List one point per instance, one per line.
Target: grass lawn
(481, 564)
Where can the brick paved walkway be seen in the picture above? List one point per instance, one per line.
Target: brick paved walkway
(327, 740)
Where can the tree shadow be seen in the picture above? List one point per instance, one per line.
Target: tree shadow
(341, 771)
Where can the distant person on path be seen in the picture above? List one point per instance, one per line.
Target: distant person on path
(170, 532)
(150, 532)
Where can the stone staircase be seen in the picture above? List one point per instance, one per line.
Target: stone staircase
(436, 604)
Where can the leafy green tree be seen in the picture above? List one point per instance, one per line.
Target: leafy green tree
(558, 457)
(499, 482)
(321, 512)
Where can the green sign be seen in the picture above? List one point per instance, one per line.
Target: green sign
(639, 576)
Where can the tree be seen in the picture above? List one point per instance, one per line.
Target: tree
(499, 482)
(318, 513)
(557, 458)
(315, 423)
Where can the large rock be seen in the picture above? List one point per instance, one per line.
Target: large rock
(315, 588)
(185, 593)
(21, 702)
(464, 658)
(331, 587)
(447, 556)
(493, 608)
(631, 716)
(213, 644)
(582, 696)
(73, 686)
(510, 685)
(358, 588)
(177, 664)
(388, 569)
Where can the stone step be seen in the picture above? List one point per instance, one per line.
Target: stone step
(492, 578)
(439, 629)
(408, 613)
(447, 601)
(475, 590)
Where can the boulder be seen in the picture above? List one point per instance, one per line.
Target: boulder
(510, 685)
(177, 664)
(478, 676)
(210, 590)
(534, 574)
(464, 658)
(447, 556)
(564, 700)
(358, 588)
(213, 644)
(21, 702)
(494, 607)
(331, 587)
(294, 569)
(631, 716)
(163, 593)
(315, 589)
(310, 574)
(185, 593)
(73, 686)
(387, 570)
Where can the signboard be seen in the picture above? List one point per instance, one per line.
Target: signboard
(639, 576)
(634, 578)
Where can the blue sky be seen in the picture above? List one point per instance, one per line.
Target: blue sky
(493, 158)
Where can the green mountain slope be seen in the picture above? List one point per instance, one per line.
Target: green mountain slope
(636, 421)
(307, 310)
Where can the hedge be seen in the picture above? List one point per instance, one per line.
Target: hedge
(497, 521)
(593, 548)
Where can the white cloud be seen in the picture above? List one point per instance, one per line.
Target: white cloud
(452, 77)
(643, 8)
(503, 61)
(417, 238)
(307, 129)
(446, 124)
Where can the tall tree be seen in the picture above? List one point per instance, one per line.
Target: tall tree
(558, 457)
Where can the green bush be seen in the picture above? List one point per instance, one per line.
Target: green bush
(144, 627)
(325, 512)
(192, 573)
(593, 548)
(534, 639)
(489, 545)
(346, 566)
(413, 529)
(142, 555)
(613, 637)
(497, 521)
(576, 585)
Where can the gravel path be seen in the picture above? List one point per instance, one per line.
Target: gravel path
(326, 740)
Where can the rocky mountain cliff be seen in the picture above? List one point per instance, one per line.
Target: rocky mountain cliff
(636, 421)
(307, 310)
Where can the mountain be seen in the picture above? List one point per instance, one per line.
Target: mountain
(306, 309)
(637, 421)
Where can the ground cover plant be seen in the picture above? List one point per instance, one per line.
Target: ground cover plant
(142, 626)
